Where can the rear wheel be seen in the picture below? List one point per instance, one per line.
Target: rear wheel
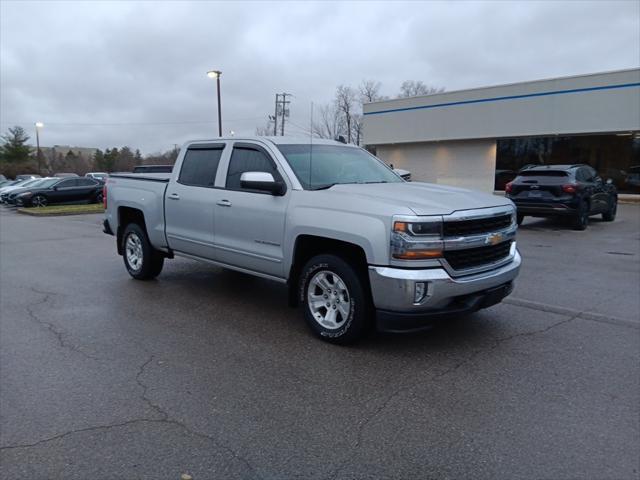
(39, 201)
(335, 301)
(581, 217)
(610, 214)
(142, 261)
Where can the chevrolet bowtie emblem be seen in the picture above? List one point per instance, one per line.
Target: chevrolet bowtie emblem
(493, 239)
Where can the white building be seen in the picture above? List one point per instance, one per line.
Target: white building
(479, 138)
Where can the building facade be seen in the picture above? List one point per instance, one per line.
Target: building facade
(480, 138)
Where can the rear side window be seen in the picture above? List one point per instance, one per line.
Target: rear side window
(85, 182)
(248, 160)
(67, 183)
(199, 167)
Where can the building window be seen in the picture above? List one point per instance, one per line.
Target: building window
(613, 156)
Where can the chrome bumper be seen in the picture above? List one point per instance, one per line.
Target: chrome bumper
(393, 289)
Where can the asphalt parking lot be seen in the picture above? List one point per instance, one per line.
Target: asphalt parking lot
(208, 372)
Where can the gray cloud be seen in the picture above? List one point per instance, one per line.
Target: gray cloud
(118, 73)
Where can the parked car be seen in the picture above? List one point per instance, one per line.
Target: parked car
(102, 176)
(4, 192)
(354, 242)
(10, 197)
(62, 190)
(27, 176)
(632, 179)
(153, 169)
(10, 183)
(574, 191)
(65, 175)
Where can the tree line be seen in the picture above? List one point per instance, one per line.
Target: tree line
(17, 157)
(343, 115)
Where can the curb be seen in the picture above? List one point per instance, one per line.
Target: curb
(31, 213)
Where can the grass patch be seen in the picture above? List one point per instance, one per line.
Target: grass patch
(62, 210)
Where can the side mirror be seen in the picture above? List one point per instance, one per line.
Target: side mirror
(261, 181)
(55, 188)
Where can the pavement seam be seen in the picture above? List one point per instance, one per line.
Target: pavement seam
(595, 317)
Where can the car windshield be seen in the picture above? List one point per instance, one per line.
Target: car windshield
(28, 183)
(322, 166)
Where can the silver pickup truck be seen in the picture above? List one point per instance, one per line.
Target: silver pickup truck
(356, 244)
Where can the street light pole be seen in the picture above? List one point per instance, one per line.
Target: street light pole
(39, 125)
(216, 74)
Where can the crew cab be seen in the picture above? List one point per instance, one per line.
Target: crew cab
(356, 244)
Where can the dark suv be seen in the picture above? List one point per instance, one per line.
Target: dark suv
(574, 191)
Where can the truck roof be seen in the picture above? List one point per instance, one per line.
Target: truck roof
(286, 140)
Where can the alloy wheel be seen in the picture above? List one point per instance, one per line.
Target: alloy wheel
(133, 251)
(328, 300)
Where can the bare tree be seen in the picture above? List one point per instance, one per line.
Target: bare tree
(330, 124)
(345, 102)
(414, 88)
(370, 91)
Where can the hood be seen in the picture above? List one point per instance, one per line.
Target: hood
(421, 198)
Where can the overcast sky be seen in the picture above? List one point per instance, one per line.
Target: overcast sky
(102, 74)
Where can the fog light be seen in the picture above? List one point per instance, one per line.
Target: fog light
(419, 292)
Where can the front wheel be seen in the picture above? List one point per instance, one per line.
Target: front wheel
(142, 261)
(610, 214)
(334, 298)
(39, 201)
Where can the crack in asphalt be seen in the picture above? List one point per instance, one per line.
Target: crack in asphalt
(60, 334)
(164, 419)
(495, 344)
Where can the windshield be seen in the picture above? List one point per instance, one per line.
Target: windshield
(321, 166)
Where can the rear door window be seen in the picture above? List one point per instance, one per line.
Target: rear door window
(200, 165)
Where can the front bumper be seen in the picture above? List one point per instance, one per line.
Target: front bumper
(393, 291)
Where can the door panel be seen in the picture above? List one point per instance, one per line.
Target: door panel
(190, 202)
(249, 232)
(250, 224)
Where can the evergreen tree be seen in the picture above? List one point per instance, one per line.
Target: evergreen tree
(14, 148)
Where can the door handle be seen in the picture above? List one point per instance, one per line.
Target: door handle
(224, 203)
(174, 196)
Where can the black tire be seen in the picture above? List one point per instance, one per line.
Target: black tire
(356, 301)
(519, 219)
(152, 261)
(580, 219)
(610, 214)
(39, 201)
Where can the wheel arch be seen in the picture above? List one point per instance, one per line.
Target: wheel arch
(127, 215)
(307, 246)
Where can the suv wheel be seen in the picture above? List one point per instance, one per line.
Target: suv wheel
(334, 299)
(581, 217)
(142, 261)
(610, 214)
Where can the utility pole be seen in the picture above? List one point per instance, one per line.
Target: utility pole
(285, 110)
(275, 116)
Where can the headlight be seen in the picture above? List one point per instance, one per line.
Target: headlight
(417, 240)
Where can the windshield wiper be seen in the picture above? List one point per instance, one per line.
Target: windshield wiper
(376, 181)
